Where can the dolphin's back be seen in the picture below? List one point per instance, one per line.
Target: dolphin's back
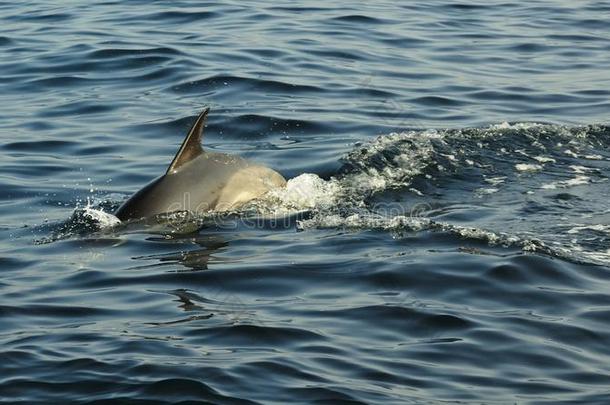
(201, 181)
(212, 181)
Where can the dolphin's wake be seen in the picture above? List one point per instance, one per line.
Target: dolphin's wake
(537, 187)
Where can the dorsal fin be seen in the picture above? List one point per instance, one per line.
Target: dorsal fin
(191, 146)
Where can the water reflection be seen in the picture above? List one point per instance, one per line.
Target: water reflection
(189, 260)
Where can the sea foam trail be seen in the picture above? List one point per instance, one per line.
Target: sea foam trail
(550, 175)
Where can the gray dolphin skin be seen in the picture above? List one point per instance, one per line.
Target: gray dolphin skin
(201, 181)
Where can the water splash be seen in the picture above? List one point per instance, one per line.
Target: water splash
(103, 219)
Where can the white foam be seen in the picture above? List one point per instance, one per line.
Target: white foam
(571, 153)
(528, 167)
(414, 224)
(544, 159)
(494, 181)
(365, 221)
(397, 171)
(516, 125)
(305, 192)
(104, 219)
(597, 228)
(576, 181)
(581, 169)
(481, 234)
(486, 191)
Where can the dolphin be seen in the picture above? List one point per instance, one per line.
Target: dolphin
(201, 181)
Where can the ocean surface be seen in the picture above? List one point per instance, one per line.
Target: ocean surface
(444, 236)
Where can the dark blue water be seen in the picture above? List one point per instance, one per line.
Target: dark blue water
(445, 235)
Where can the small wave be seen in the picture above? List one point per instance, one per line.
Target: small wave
(389, 161)
(5, 41)
(357, 18)
(42, 17)
(238, 83)
(443, 167)
(118, 53)
(605, 229)
(181, 17)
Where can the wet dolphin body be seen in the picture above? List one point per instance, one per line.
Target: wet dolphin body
(201, 181)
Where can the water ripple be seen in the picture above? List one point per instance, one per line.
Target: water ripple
(444, 236)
